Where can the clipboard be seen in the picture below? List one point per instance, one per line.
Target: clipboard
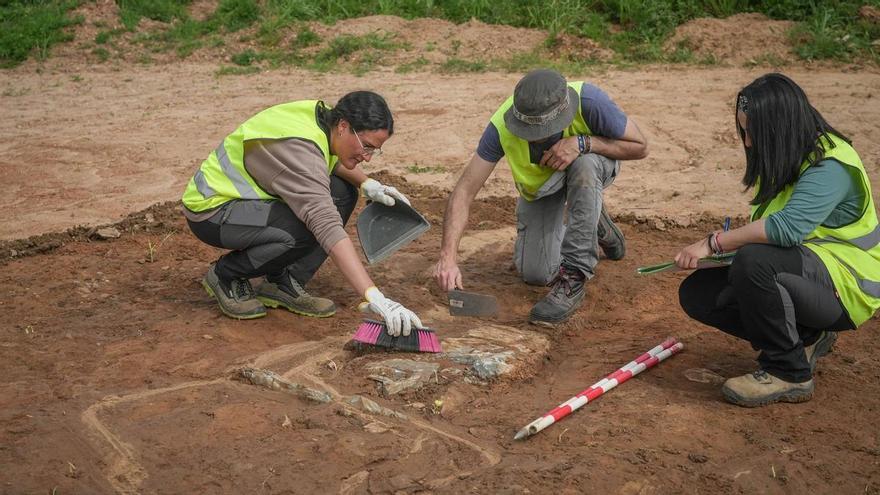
(716, 261)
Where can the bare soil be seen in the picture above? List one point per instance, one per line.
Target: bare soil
(119, 373)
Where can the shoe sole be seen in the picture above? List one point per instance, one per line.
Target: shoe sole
(789, 396)
(275, 304)
(823, 347)
(230, 314)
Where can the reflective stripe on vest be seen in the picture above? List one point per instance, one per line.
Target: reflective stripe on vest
(851, 253)
(244, 189)
(223, 177)
(528, 176)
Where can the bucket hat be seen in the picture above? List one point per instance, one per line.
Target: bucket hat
(543, 105)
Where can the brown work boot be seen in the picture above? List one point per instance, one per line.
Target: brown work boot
(819, 348)
(610, 237)
(761, 388)
(566, 294)
(286, 292)
(236, 298)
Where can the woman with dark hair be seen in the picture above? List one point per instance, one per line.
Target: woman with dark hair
(807, 265)
(273, 194)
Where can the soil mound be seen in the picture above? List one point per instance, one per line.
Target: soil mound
(738, 39)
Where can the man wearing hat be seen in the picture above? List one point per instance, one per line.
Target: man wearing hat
(563, 142)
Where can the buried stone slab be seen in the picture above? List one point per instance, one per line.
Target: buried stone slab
(398, 375)
(487, 352)
(493, 351)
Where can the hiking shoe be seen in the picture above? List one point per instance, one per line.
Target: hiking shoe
(819, 348)
(761, 388)
(236, 298)
(610, 237)
(567, 291)
(286, 292)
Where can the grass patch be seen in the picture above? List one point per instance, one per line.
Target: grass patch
(416, 169)
(357, 54)
(132, 11)
(245, 58)
(31, 27)
(454, 65)
(415, 65)
(233, 70)
(101, 53)
(185, 35)
(305, 38)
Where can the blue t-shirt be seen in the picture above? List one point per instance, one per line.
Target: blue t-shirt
(825, 194)
(603, 117)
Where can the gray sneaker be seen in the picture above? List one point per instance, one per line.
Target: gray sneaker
(236, 298)
(286, 292)
(819, 348)
(610, 237)
(566, 294)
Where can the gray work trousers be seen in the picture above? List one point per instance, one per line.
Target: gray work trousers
(545, 238)
(266, 237)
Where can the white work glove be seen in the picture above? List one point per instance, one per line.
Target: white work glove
(380, 193)
(398, 320)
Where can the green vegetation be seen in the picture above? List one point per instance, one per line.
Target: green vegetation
(416, 169)
(355, 54)
(635, 30)
(131, 11)
(32, 27)
(412, 66)
(454, 64)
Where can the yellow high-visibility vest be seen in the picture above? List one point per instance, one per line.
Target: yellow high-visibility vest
(850, 252)
(222, 176)
(528, 176)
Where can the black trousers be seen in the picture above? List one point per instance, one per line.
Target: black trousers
(779, 299)
(266, 237)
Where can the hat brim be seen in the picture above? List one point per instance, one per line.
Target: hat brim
(531, 132)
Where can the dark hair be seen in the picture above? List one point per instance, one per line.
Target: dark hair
(784, 130)
(364, 110)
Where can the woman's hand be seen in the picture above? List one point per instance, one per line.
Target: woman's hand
(688, 257)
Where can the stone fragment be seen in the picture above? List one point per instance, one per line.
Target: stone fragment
(398, 375)
(107, 233)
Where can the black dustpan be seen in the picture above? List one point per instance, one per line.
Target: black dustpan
(383, 230)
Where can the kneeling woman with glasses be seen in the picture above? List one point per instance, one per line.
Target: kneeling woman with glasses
(274, 194)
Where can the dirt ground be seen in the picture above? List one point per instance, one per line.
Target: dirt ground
(118, 371)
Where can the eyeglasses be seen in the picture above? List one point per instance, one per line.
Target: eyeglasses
(367, 150)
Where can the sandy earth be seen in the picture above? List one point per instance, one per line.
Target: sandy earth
(118, 369)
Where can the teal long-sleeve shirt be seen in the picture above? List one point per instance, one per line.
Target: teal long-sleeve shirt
(825, 194)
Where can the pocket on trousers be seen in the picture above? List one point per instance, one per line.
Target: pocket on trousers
(248, 213)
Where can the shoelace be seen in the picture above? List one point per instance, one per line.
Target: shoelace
(563, 279)
(241, 289)
(296, 287)
(759, 374)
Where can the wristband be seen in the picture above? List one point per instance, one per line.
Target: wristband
(718, 243)
(714, 245)
(589, 145)
(582, 147)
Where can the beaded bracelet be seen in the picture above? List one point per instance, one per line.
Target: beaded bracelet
(582, 146)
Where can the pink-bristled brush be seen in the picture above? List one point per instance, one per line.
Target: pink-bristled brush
(373, 332)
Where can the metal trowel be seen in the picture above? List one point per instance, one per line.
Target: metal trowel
(463, 303)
